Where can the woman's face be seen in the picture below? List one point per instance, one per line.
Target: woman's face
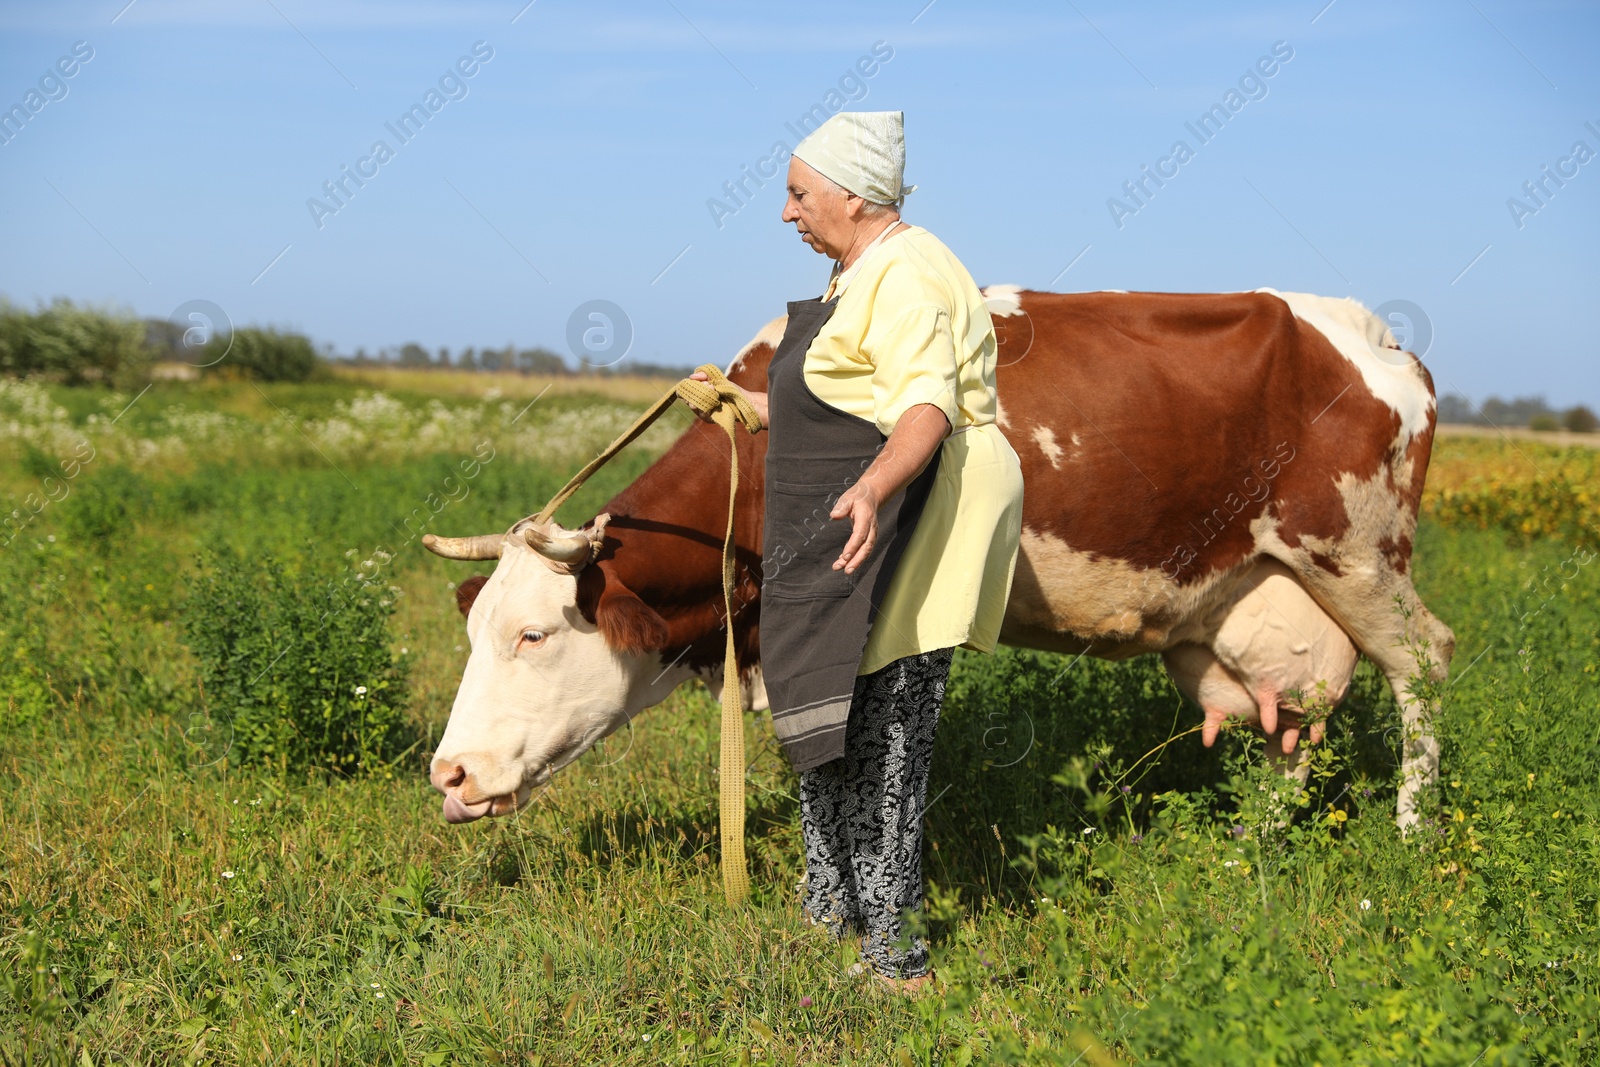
(819, 210)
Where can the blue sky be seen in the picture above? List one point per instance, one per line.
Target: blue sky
(1377, 162)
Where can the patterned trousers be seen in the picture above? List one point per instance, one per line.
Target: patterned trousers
(861, 814)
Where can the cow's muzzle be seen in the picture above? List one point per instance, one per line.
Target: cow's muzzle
(464, 802)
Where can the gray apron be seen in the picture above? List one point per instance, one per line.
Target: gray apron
(815, 620)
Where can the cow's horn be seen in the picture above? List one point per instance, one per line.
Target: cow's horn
(482, 546)
(569, 547)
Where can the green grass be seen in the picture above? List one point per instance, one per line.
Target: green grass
(161, 904)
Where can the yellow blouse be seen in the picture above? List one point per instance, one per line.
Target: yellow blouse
(912, 328)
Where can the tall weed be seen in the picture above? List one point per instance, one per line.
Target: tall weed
(297, 668)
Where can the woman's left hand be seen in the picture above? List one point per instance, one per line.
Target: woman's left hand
(860, 505)
(913, 442)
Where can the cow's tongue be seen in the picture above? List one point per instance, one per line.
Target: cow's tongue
(456, 811)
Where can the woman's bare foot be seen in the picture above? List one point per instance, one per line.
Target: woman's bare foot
(906, 987)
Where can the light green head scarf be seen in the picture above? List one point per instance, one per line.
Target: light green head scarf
(864, 151)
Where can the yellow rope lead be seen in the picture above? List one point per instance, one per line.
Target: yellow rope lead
(728, 408)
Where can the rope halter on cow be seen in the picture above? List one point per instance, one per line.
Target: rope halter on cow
(570, 551)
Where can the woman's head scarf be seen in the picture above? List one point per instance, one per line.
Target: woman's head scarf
(863, 151)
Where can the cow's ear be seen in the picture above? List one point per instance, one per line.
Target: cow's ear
(627, 623)
(467, 592)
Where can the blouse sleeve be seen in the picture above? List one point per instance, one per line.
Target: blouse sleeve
(914, 362)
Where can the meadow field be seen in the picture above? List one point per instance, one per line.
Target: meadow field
(188, 875)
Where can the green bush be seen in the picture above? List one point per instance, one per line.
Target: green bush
(297, 669)
(1580, 420)
(73, 344)
(269, 356)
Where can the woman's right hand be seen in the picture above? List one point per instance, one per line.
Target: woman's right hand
(757, 400)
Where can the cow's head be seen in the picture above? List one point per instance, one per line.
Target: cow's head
(548, 676)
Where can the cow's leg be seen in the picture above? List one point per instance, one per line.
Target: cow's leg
(1290, 750)
(1292, 772)
(1293, 763)
(1419, 764)
(1380, 610)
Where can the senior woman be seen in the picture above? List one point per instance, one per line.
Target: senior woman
(893, 510)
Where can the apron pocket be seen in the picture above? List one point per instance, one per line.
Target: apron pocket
(803, 542)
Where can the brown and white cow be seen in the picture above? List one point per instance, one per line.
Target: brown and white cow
(1230, 480)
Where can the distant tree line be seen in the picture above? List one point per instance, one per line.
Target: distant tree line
(84, 344)
(1532, 412)
(536, 360)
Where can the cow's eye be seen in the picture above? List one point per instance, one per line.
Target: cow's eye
(533, 637)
